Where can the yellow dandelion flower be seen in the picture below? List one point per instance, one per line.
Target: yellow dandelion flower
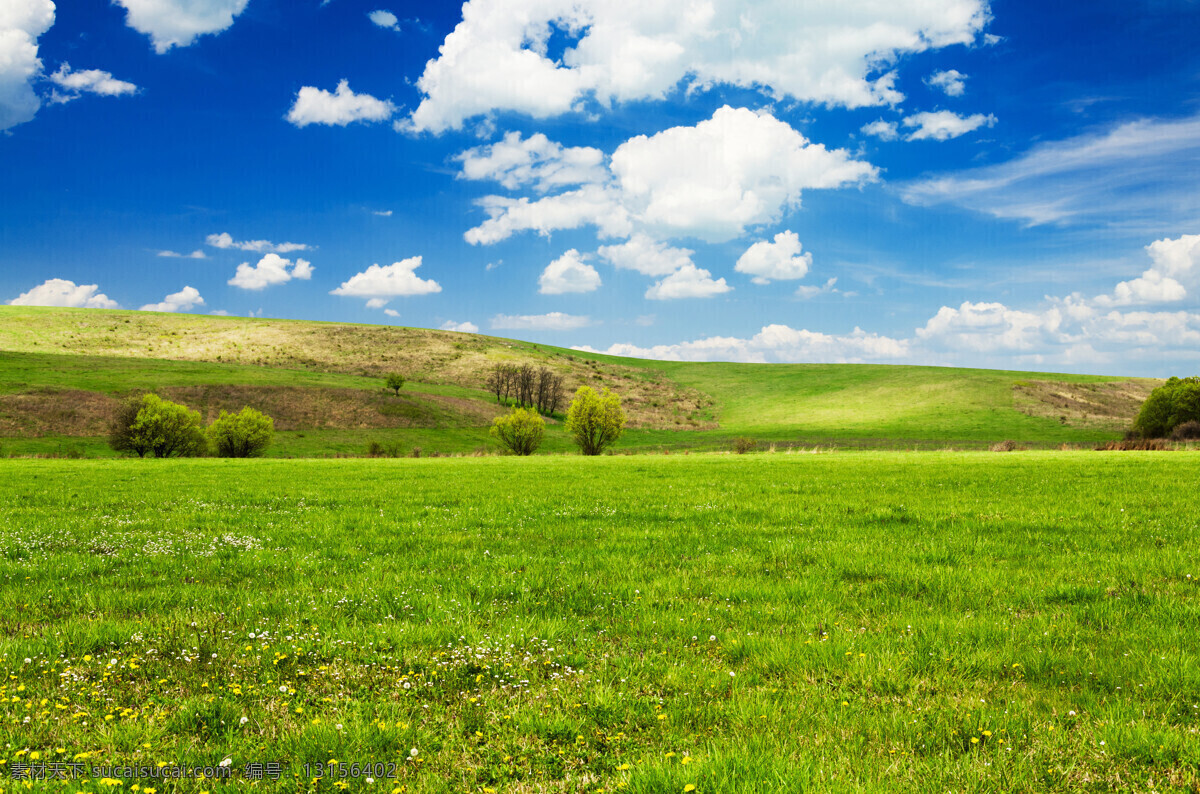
(622, 767)
(689, 787)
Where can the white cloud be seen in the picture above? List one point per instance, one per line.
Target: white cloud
(219, 313)
(181, 301)
(342, 107)
(498, 57)
(382, 213)
(462, 328)
(688, 281)
(805, 291)
(535, 161)
(177, 23)
(385, 19)
(646, 255)
(884, 130)
(779, 260)
(271, 269)
(394, 280)
(1176, 269)
(378, 303)
(554, 321)
(1139, 176)
(774, 343)
(753, 168)
(990, 327)
(391, 312)
(951, 82)
(61, 292)
(942, 125)
(568, 273)
(197, 254)
(21, 23)
(89, 81)
(225, 240)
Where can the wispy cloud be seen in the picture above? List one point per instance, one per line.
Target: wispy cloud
(1140, 176)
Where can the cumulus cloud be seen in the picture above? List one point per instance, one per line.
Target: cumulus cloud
(385, 19)
(381, 284)
(272, 269)
(535, 161)
(177, 23)
(884, 130)
(774, 343)
(1136, 175)
(779, 260)
(554, 321)
(462, 328)
(61, 292)
(646, 255)
(197, 254)
(942, 125)
(711, 181)
(181, 301)
(21, 23)
(568, 273)
(342, 107)
(390, 312)
(1176, 269)
(688, 281)
(225, 240)
(89, 81)
(499, 57)
(951, 82)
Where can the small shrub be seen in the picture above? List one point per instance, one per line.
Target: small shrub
(242, 435)
(1007, 445)
(376, 449)
(743, 445)
(520, 432)
(415, 453)
(595, 420)
(395, 382)
(1187, 431)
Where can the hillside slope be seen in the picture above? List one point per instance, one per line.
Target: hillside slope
(61, 370)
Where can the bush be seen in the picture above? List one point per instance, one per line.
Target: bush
(1174, 403)
(161, 428)
(395, 382)
(595, 420)
(520, 432)
(1188, 431)
(1005, 446)
(743, 445)
(242, 435)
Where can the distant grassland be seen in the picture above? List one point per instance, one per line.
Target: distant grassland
(64, 369)
(842, 622)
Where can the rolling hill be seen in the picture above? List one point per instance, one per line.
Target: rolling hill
(62, 371)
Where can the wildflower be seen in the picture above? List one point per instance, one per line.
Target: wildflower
(413, 753)
(226, 762)
(689, 787)
(622, 767)
(243, 720)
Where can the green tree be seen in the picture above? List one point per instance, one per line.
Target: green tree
(596, 420)
(120, 430)
(519, 431)
(1175, 402)
(242, 435)
(395, 382)
(158, 427)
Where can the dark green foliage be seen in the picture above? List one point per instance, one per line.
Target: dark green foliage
(242, 435)
(1174, 403)
(395, 382)
(151, 425)
(520, 431)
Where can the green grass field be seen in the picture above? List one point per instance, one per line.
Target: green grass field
(854, 621)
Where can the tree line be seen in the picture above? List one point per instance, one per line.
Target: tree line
(526, 387)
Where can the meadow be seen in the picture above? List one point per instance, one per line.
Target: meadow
(852, 621)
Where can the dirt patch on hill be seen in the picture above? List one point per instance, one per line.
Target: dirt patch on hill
(1106, 406)
(85, 413)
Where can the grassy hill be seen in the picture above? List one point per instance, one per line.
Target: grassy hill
(62, 371)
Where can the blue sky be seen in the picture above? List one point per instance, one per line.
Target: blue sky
(1008, 185)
